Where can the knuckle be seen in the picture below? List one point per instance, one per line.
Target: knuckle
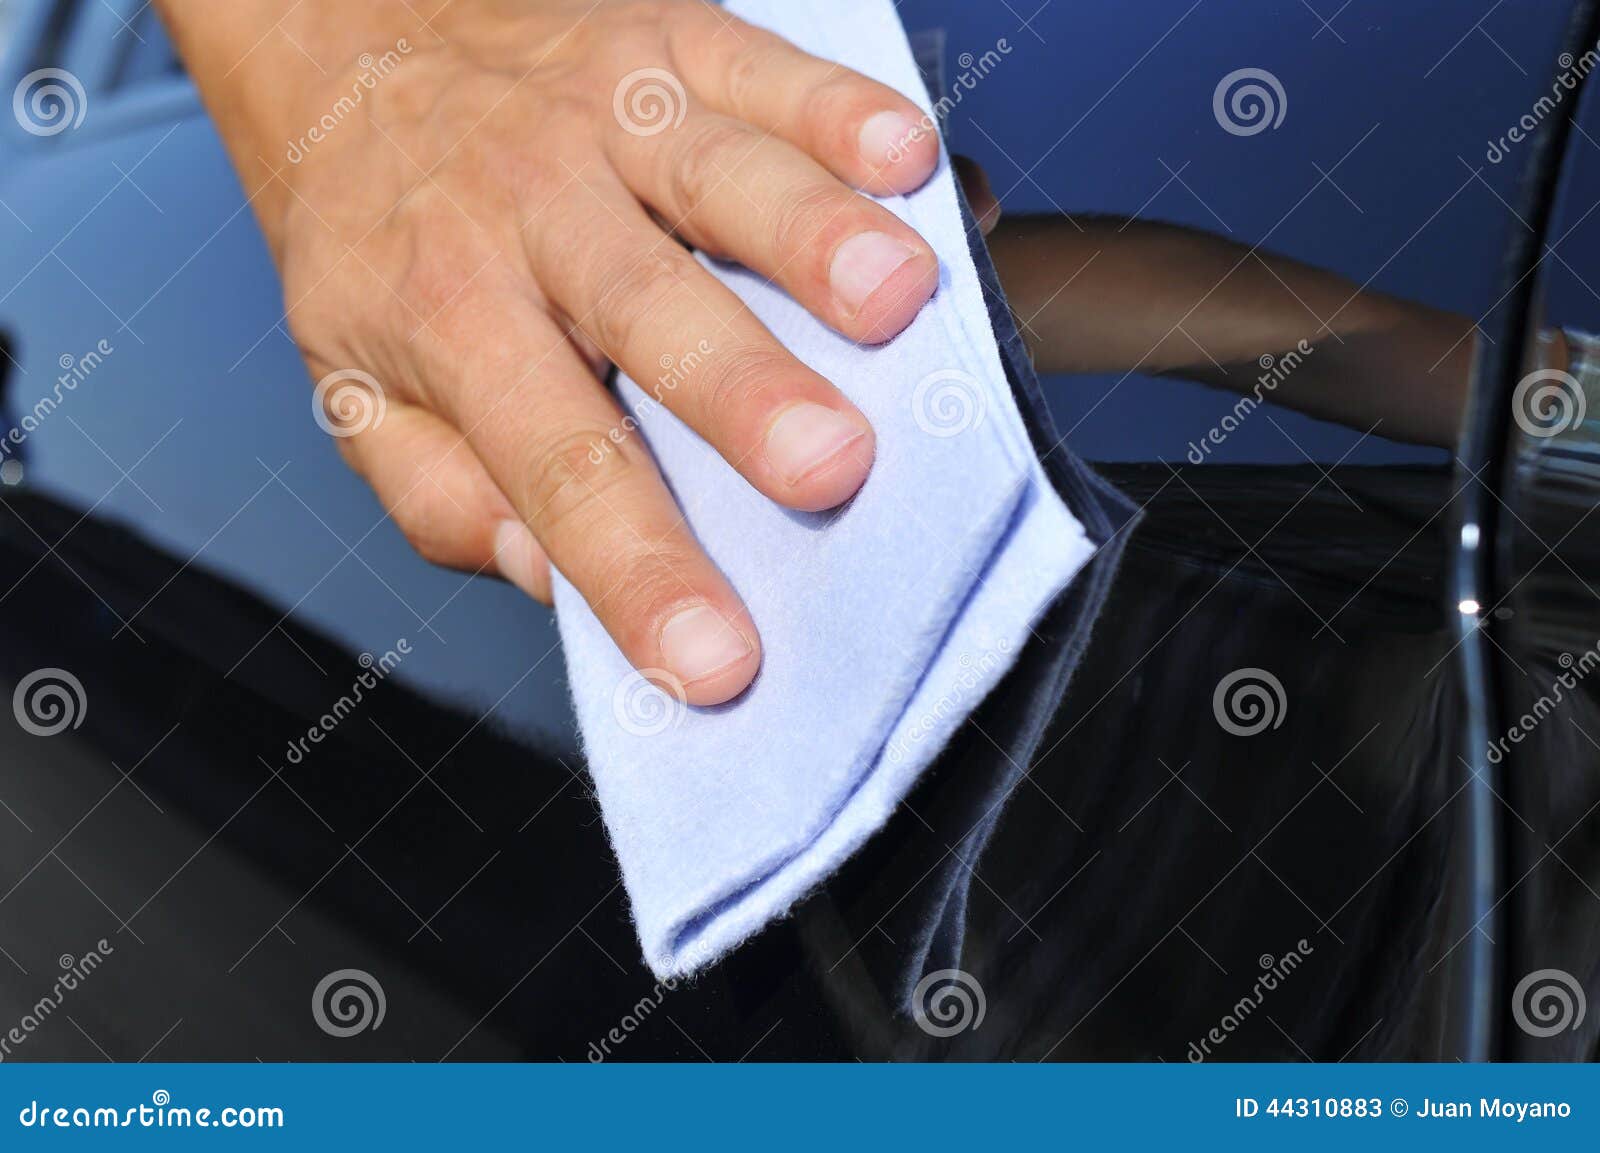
(686, 23)
(569, 484)
(623, 45)
(835, 109)
(739, 377)
(803, 221)
(845, 92)
(308, 327)
(630, 291)
(750, 74)
(639, 584)
(435, 276)
(501, 166)
(703, 159)
(555, 138)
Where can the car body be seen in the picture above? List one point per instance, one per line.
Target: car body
(185, 542)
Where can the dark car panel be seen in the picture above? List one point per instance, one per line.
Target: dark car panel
(181, 538)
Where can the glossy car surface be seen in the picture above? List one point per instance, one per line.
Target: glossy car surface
(183, 540)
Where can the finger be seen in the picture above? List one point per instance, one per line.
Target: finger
(646, 302)
(536, 416)
(867, 134)
(444, 500)
(980, 193)
(738, 192)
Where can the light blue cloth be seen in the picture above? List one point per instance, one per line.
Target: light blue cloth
(884, 623)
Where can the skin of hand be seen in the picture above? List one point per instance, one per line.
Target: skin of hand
(478, 213)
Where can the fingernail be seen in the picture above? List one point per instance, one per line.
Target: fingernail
(862, 264)
(698, 642)
(807, 436)
(885, 138)
(514, 556)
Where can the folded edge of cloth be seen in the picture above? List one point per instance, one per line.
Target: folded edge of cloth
(973, 780)
(885, 622)
(1016, 719)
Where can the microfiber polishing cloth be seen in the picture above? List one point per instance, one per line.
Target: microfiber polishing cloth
(884, 623)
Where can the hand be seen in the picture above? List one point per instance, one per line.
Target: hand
(497, 214)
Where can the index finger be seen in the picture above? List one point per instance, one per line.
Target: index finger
(865, 133)
(542, 424)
